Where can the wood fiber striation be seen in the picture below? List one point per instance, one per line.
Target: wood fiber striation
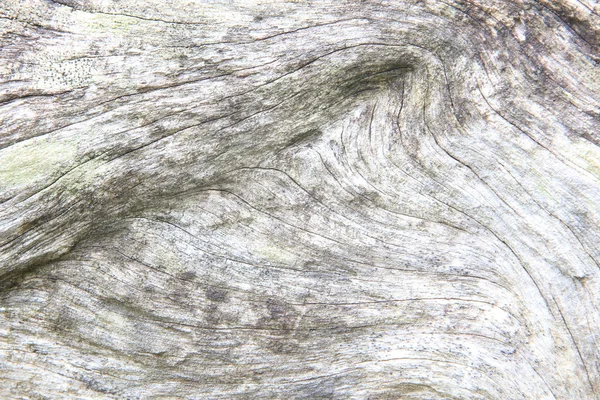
(298, 199)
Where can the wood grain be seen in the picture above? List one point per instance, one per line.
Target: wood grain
(299, 199)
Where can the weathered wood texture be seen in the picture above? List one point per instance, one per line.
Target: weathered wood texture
(308, 199)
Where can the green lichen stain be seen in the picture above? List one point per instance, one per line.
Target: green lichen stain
(275, 255)
(107, 22)
(33, 160)
(589, 156)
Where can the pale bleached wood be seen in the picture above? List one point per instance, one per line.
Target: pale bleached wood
(299, 199)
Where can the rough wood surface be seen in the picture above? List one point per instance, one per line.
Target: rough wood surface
(300, 199)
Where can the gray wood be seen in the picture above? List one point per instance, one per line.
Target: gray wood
(299, 199)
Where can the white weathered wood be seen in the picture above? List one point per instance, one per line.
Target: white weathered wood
(300, 199)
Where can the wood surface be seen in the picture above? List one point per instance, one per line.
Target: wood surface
(300, 199)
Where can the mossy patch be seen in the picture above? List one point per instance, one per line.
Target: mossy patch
(275, 255)
(28, 162)
(100, 23)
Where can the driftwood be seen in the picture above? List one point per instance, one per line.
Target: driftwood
(300, 199)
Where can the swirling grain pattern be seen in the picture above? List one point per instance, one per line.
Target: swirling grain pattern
(300, 199)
